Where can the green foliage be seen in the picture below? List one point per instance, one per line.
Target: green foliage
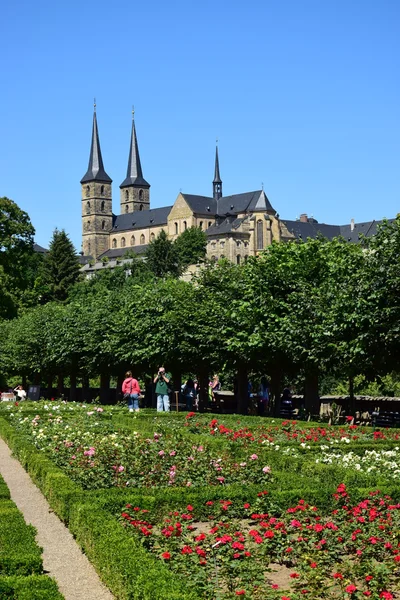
(161, 256)
(16, 253)
(191, 246)
(60, 269)
(33, 587)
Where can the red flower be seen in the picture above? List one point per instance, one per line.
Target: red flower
(368, 578)
(294, 575)
(166, 555)
(274, 586)
(367, 593)
(313, 565)
(337, 576)
(351, 588)
(246, 505)
(386, 595)
(186, 550)
(240, 592)
(189, 507)
(397, 558)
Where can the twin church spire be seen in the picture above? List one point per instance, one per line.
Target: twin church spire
(135, 190)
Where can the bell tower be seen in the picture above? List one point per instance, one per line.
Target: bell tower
(135, 191)
(96, 201)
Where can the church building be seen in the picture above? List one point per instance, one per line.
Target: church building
(236, 226)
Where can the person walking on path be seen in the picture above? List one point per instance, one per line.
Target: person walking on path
(131, 391)
(162, 381)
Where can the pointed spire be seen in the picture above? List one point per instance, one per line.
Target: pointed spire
(217, 183)
(134, 174)
(95, 170)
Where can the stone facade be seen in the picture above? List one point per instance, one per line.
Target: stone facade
(96, 217)
(133, 198)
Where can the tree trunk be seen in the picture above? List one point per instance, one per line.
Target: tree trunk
(24, 381)
(60, 384)
(242, 390)
(311, 396)
(276, 390)
(203, 395)
(352, 398)
(104, 388)
(72, 387)
(50, 386)
(85, 389)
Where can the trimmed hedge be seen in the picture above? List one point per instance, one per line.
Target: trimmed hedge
(19, 553)
(34, 587)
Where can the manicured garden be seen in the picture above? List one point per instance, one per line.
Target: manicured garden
(201, 506)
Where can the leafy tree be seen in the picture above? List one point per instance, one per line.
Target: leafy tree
(16, 248)
(191, 246)
(161, 256)
(60, 269)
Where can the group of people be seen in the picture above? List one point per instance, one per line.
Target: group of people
(131, 390)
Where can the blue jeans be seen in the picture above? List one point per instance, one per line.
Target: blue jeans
(133, 401)
(162, 402)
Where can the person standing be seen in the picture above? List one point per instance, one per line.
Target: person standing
(263, 396)
(20, 392)
(131, 391)
(162, 381)
(189, 393)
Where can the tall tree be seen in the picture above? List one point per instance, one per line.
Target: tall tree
(161, 256)
(60, 269)
(191, 247)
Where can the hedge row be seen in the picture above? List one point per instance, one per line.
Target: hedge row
(21, 565)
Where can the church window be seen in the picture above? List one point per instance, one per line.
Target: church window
(176, 228)
(140, 194)
(213, 244)
(209, 223)
(88, 208)
(238, 259)
(103, 224)
(114, 243)
(260, 236)
(152, 237)
(184, 225)
(122, 242)
(102, 206)
(126, 196)
(133, 240)
(245, 258)
(222, 243)
(102, 190)
(87, 191)
(222, 256)
(126, 208)
(141, 207)
(142, 240)
(201, 224)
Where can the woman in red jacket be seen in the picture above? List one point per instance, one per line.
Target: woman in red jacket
(131, 391)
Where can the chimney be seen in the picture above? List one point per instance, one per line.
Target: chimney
(304, 218)
(352, 225)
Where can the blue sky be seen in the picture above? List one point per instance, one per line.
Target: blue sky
(303, 96)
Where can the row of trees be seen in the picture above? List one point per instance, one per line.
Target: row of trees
(312, 308)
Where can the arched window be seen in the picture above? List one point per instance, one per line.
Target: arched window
(102, 206)
(133, 241)
(114, 243)
(87, 191)
(260, 236)
(102, 190)
(238, 259)
(141, 207)
(201, 224)
(209, 223)
(222, 243)
(88, 226)
(140, 194)
(142, 240)
(126, 208)
(103, 224)
(184, 225)
(213, 258)
(122, 242)
(152, 237)
(176, 228)
(245, 258)
(88, 247)
(88, 208)
(222, 256)
(126, 195)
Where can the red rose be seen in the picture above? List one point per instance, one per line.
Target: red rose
(166, 555)
(351, 588)
(240, 592)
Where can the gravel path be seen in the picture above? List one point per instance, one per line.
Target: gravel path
(62, 557)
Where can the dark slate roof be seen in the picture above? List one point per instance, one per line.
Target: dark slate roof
(369, 228)
(217, 176)
(304, 230)
(228, 225)
(84, 259)
(134, 174)
(201, 205)
(141, 218)
(95, 170)
(120, 252)
(39, 249)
